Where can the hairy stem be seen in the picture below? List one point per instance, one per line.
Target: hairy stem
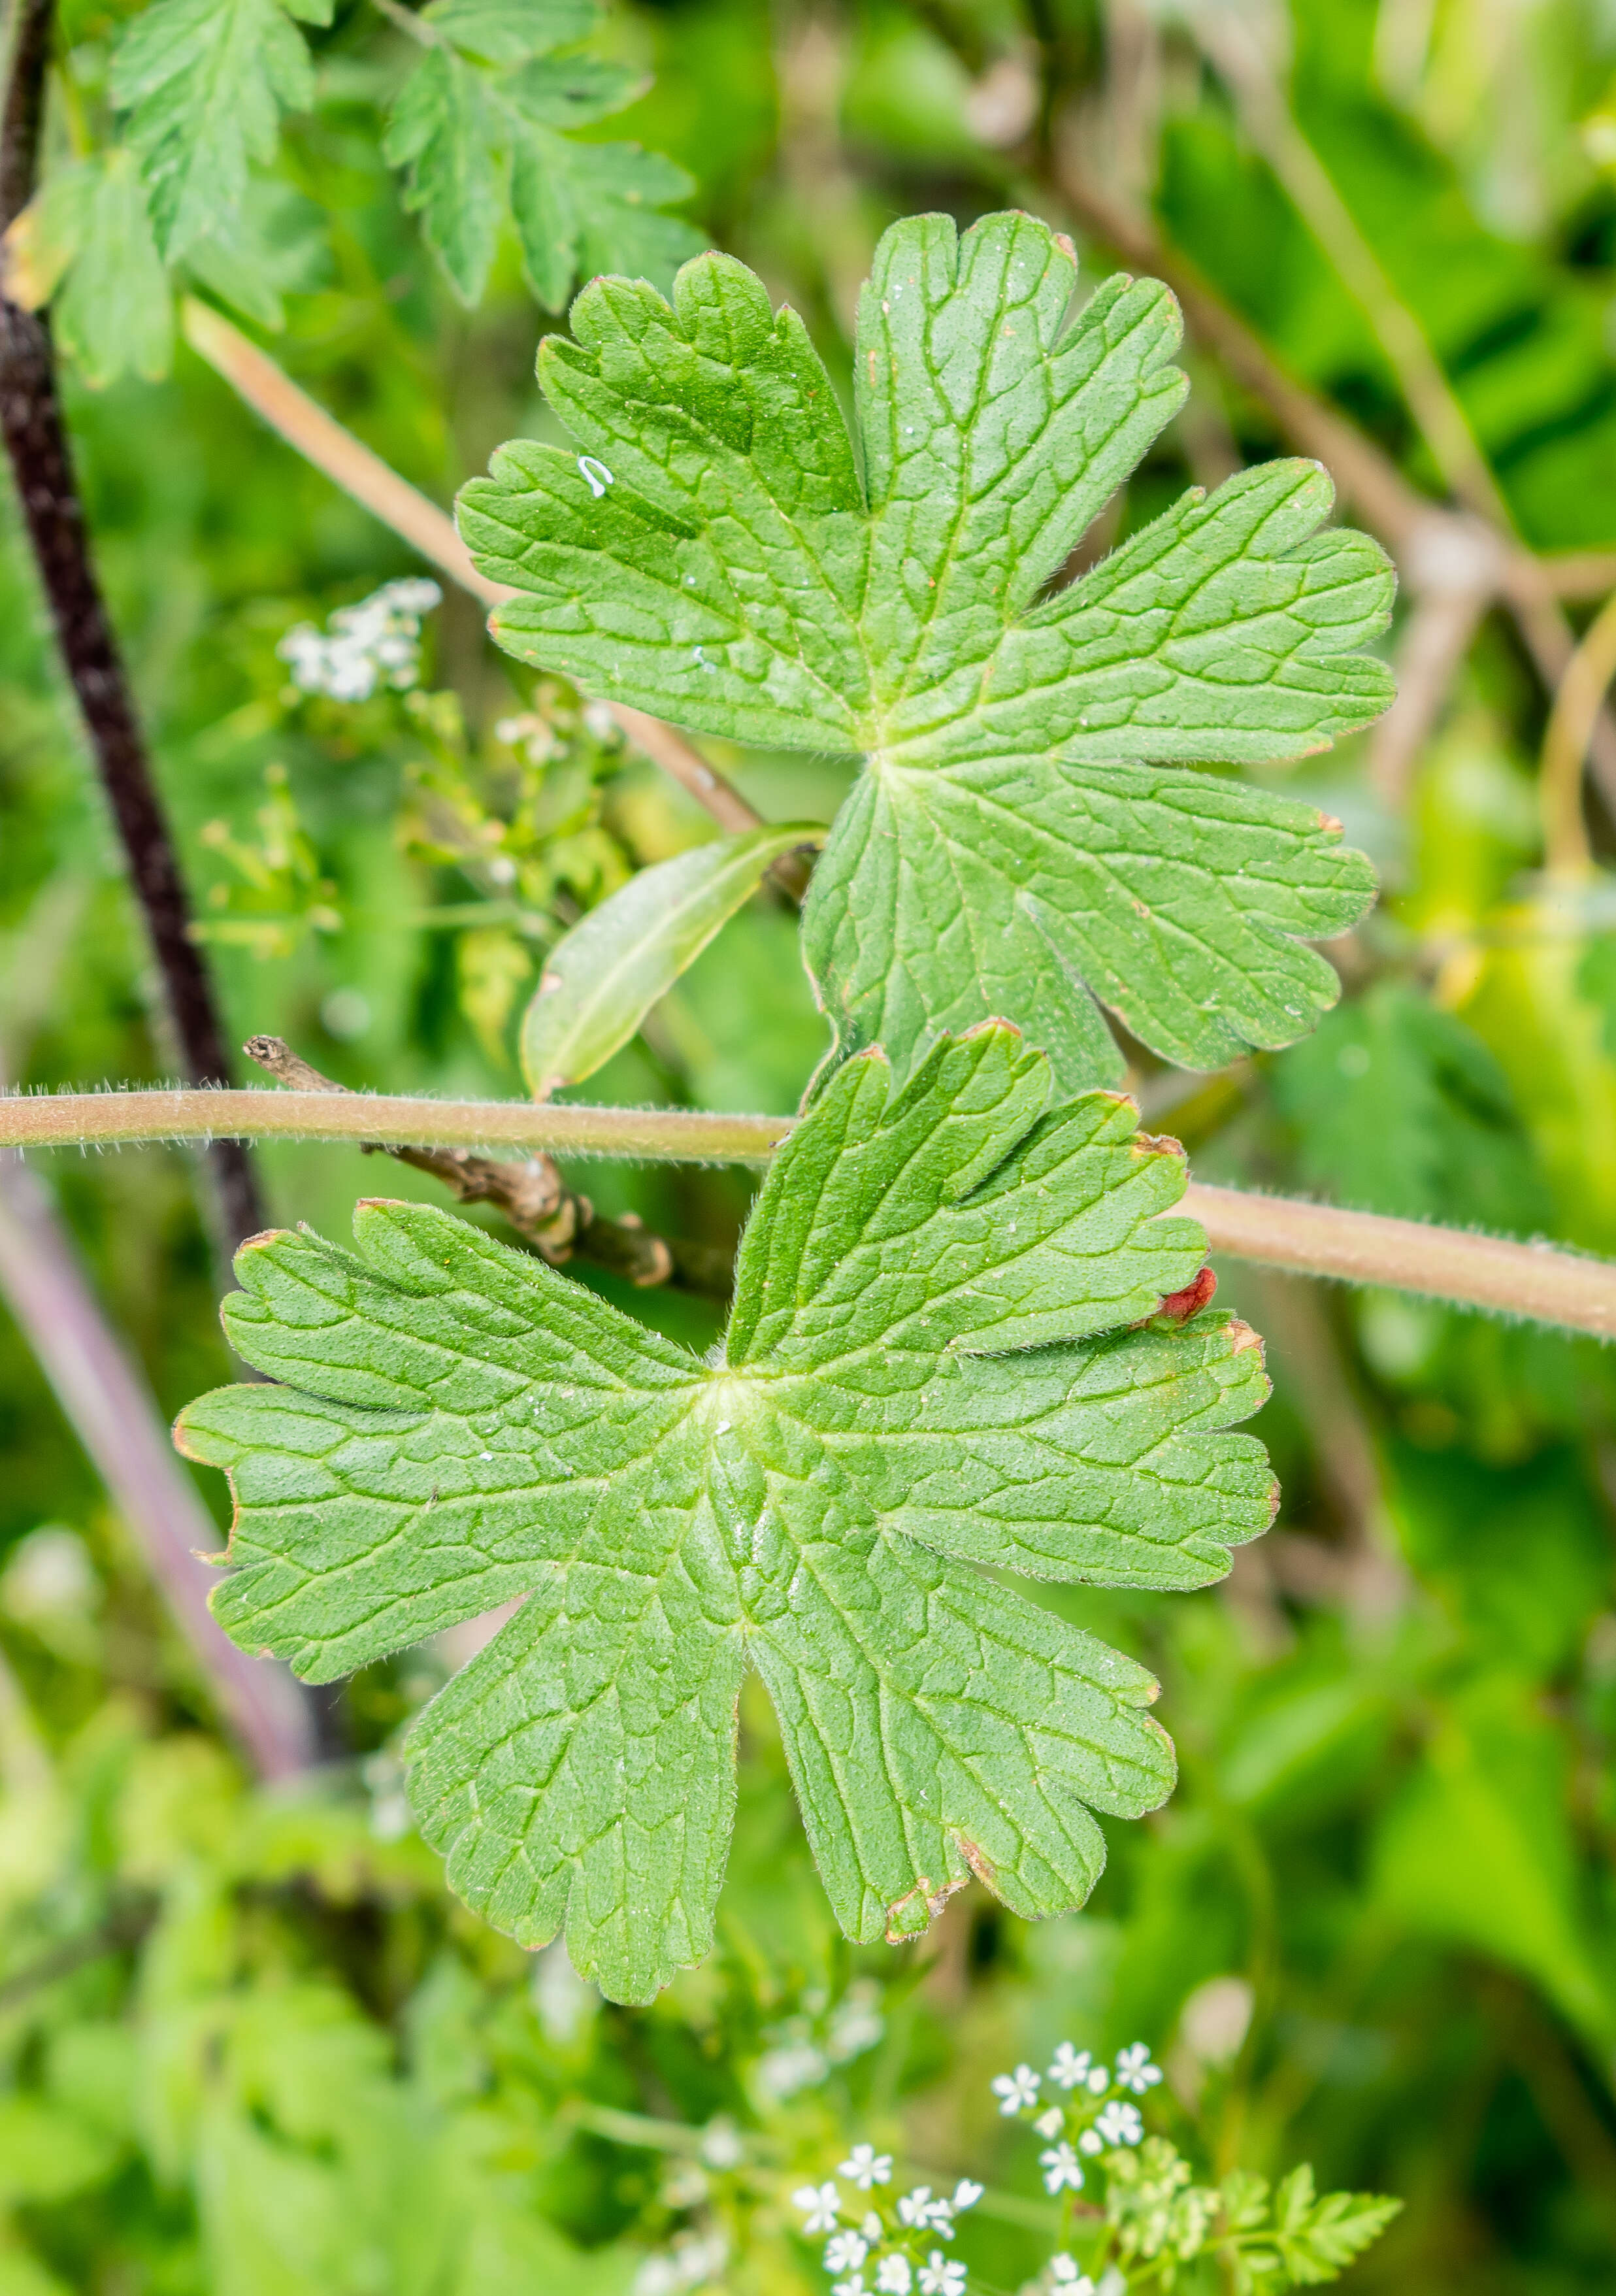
(1538, 1281)
(37, 443)
(559, 1224)
(350, 463)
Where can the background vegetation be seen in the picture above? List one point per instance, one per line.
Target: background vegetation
(248, 2043)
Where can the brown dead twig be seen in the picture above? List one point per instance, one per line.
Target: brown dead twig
(559, 1223)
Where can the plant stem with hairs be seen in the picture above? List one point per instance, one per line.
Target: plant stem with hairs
(1538, 1281)
(559, 1224)
(37, 443)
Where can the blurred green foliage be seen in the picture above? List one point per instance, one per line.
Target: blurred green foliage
(248, 2043)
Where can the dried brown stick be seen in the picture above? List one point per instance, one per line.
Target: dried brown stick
(556, 1221)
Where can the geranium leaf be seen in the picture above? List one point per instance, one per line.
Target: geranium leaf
(1027, 755)
(945, 1349)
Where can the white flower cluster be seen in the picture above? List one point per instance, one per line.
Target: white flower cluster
(892, 2255)
(376, 643)
(1117, 2123)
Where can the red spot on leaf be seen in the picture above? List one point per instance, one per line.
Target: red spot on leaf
(1178, 1306)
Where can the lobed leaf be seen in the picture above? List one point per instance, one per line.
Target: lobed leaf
(928, 1366)
(206, 82)
(1025, 838)
(481, 145)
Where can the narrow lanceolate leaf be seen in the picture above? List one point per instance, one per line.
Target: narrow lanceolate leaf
(945, 1351)
(207, 81)
(601, 979)
(1027, 835)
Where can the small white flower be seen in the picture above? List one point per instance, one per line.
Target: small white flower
(1069, 2066)
(1016, 2091)
(1135, 2069)
(872, 2228)
(966, 2194)
(1119, 2123)
(919, 2208)
(853, 2285)
(894, 2278)
(1061, 2168)
(1091, 2142)
(867, 2167)
(1064, 2272)
(1050, 2123)
(845, 2252)
(375, 641)
(820, 2205)
(1098, 2081)
(942, 2276)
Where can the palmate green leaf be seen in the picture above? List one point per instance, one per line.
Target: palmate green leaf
(1025, 837)
(946, 1349)
(206, 82)
(1318, 2235)
(601, 979)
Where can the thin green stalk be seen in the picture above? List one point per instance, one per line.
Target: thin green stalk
(1537, 1281)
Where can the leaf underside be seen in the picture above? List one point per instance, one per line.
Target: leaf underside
(1028, 836)
(944, 1351)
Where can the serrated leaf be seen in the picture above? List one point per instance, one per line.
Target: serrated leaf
(593, 207)
(445, 132)
(207, 81)
(601, 979)
(742, 578)
(510, 31)
(459, 1425)
(1316, 2236)
(475, 143)
(85, 246)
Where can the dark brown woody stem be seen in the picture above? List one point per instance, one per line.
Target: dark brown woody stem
(36, 442)
(559, 1224)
